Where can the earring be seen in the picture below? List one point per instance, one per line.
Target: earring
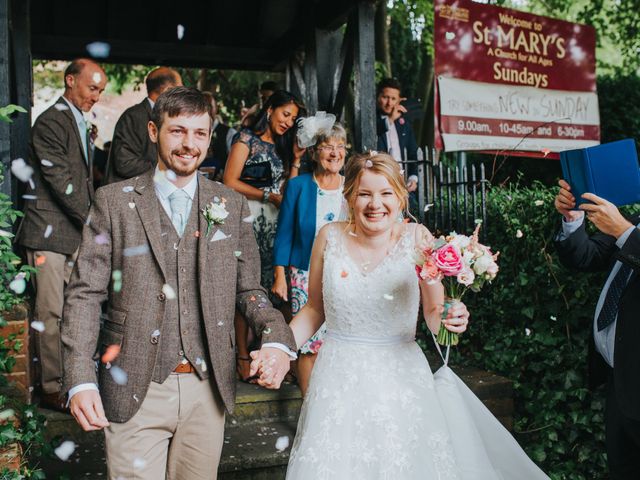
(268, 116)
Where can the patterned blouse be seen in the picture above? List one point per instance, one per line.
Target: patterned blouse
(261, 151)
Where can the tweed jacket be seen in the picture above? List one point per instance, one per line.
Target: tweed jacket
(121, 261)
(132, 151)
(62, 183)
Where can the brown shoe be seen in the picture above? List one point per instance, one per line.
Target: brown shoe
(53, 401)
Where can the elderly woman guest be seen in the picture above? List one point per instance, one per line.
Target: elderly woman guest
(311, 201)
(262, 157)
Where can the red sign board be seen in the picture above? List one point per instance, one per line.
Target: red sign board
(512, 80)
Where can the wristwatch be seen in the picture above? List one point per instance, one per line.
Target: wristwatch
(265, 195)
(295, 165)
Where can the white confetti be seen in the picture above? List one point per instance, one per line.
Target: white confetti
(101, 239)
(139, 463)
(282, 443)
(6, 414)
(449, 35)
(554, 318)
(46, 163)
(527, 331)
(65, 450)
(180, 32)
(237, 253)
(137, 250)
(29, 197)
(388, 296)
(538, 203)
(21, 170)
(119, 376)
(135, 397)
(127, 189)
(248, 219)
(171, 175)
(219, 235)
(37, 325)
(61, 107)
(428, 206)
(18, 285)
(97, 78)
(220, 323)
(132, 205)
(48, 230)
(519, 234)
(168, 292)
(98, 50)
(69, 189)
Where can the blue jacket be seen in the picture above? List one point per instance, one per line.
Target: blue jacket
(296, 223)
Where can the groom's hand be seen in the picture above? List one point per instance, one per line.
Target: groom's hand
(272, 364)
(86, 408)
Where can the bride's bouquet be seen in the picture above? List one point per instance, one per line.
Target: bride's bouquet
(462, 263)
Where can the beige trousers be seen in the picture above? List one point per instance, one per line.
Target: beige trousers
(49, 282)
(176, 435)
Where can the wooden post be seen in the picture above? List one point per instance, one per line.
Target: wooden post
(311, 74)
(328, 44)
(5, 96)
(364, 78)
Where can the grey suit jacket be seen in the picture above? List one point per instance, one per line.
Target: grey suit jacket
(62, 181)
(123, 241)
(132, 151)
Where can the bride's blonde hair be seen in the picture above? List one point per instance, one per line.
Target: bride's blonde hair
(380, 164)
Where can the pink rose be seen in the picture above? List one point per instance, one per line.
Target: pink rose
(428, 270)
(449, 260)
(315, 346)
(401, 121)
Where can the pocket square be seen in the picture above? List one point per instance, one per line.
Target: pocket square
(219, 235)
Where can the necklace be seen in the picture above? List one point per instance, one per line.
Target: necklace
(315, 179)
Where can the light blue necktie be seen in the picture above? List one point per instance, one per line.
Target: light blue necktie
(179, 201)
(82, 126)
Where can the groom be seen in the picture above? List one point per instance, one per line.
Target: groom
(172, 278)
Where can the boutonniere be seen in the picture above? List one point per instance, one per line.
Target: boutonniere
(215, 213)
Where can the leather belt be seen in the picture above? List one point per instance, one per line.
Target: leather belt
(184, 368)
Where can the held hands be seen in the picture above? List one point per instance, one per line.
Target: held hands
(605, 215)
(272, 364)
(457, 317)
(86, 408)
(565, 201)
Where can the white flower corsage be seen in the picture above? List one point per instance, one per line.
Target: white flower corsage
(215, 213)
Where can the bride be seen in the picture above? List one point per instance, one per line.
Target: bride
(373, 409)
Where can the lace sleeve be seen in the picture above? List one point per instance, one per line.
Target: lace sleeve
(244, 136)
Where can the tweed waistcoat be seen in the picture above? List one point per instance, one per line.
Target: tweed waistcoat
(182, 335)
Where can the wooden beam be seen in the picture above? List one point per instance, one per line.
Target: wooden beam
(5, 89)
(157, 53)
(328, 43)
(344, 68)
(311, 74)
(364, 78)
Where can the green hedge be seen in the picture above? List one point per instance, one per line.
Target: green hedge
(532, 325)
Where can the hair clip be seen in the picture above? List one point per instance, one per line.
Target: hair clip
(373, 153)
(368, 164)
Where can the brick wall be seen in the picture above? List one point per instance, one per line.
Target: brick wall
(20, 377)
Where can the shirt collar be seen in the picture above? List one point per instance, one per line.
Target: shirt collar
(77, 114)
(165, 188)
(151, 102)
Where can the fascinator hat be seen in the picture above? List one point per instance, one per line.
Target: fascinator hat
(310, 128)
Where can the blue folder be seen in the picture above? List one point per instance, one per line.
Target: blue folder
(609, 170)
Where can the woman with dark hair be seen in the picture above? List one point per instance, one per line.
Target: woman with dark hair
(262, 157)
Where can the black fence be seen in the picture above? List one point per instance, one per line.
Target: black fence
(449, 198)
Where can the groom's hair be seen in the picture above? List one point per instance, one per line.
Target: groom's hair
(181, 101)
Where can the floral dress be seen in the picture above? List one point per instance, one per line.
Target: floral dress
(265, 215)
(329, 208)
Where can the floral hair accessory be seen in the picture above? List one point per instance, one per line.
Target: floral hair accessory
(368, 164)
(310, 128)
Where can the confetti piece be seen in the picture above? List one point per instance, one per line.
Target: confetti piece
(171, 175)
(101, 239)
(132, 205)
(119, 376)
(111, 353)
(96, 77)
(46, 163)
(527, 332)
(428, 206)
(449, 35)
(98, 50)
(65, 450)
(21, 170)
(18, 285)
(546, 151)
(135, 397)
(180, 32)
(248, 219)
(6, 414)
(4, 233)
(282, 443)
(553, 318)
(196, 234)
(139, 463)
(127, 189)
(61, 107)
(29, 197)
(219, 235)
(47, 231)
(538, 203)
(155, 333)
(387, 296)
(137, 250)
(40, 260)
(344, 274)
(204, 367)
(69, 189)
(37, 325)
(117, 280)
(262, 305)
(168, 292)
(519, 233)
(252, 298)
(267, 331)
(220, 323)
(237, 253)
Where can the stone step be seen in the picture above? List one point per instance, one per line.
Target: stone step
(255, 404)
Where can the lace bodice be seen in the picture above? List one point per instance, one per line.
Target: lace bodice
(380, 303)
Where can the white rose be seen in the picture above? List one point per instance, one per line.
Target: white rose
(482, 264)
(466, 277)
(218, 211)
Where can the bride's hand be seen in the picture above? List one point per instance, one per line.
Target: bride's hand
(457, 318)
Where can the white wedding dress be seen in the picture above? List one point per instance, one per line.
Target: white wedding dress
(373, 409)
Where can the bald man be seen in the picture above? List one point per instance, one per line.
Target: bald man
(59, 196)
(132, 152)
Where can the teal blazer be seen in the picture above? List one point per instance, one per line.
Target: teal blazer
(296, 223)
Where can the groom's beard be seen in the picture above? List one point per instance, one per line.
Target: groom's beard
(179, 168)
